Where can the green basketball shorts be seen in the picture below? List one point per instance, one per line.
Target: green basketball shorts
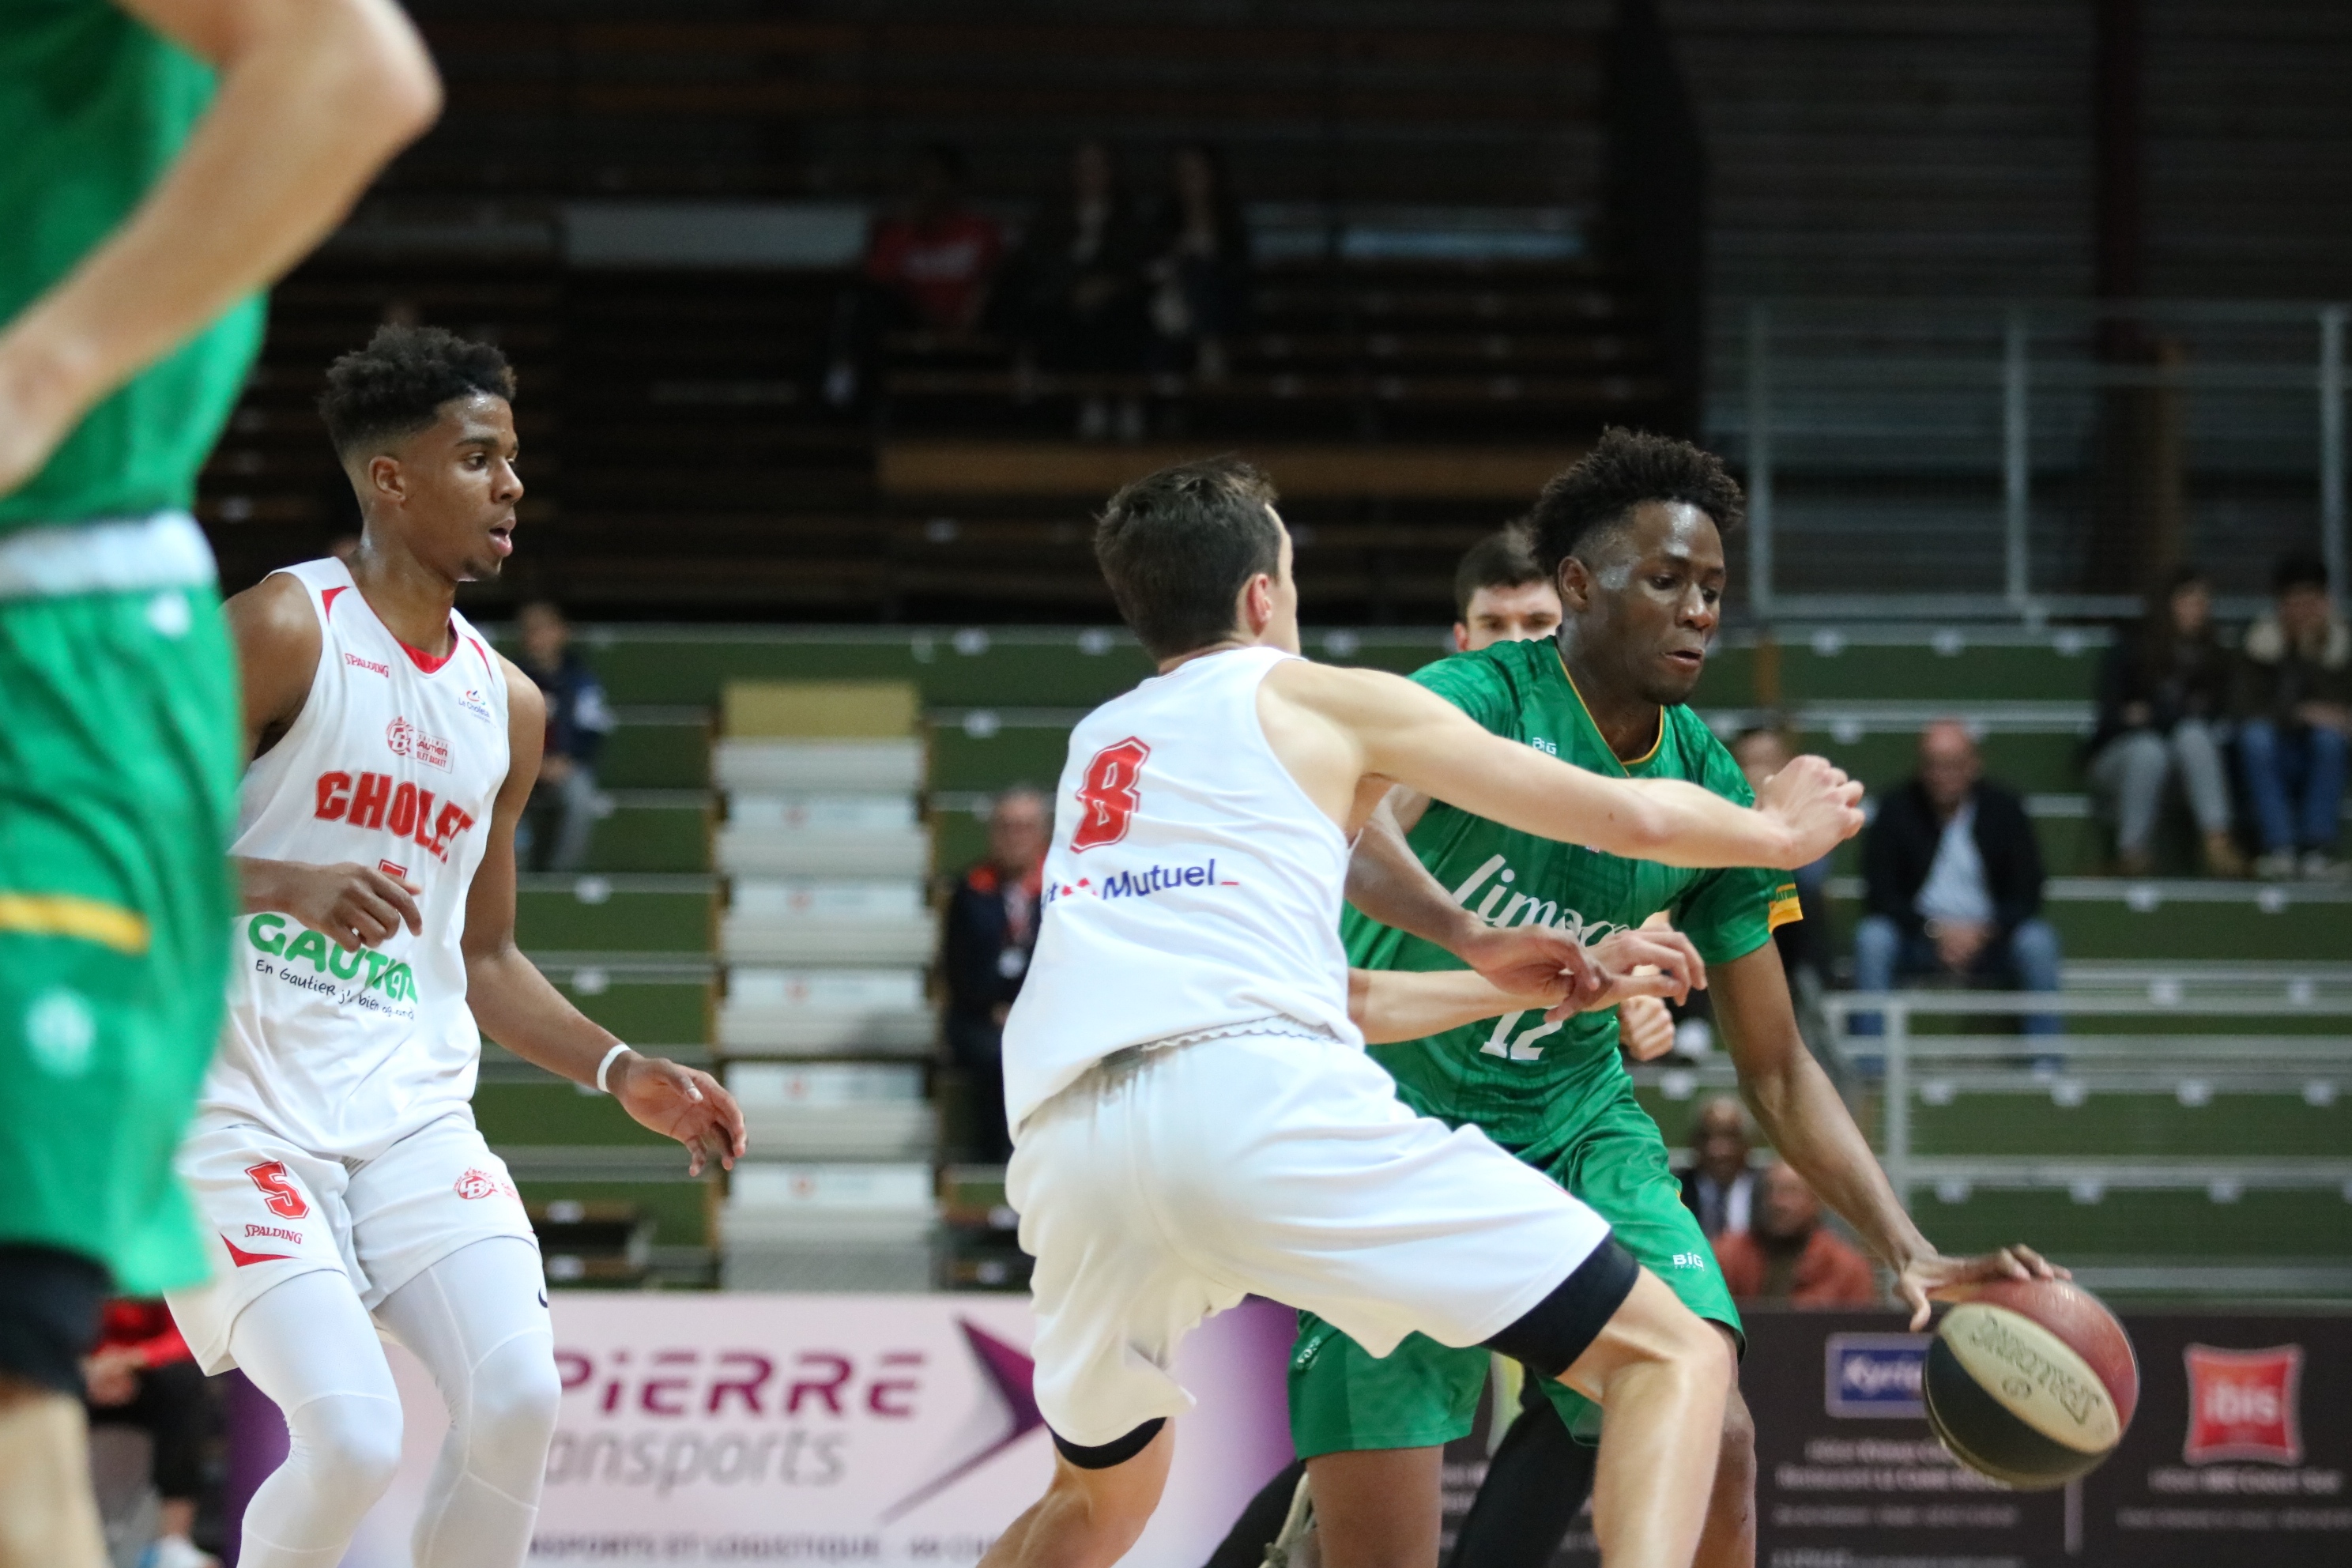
(119, 761)
(1423, 1393)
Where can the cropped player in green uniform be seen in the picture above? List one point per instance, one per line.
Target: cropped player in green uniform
(1632, 537)
(163, 160)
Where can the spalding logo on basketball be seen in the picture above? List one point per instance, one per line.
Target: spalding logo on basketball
(2032, 1383)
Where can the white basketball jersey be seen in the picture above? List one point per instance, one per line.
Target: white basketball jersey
(1191, 886)
(394, 764)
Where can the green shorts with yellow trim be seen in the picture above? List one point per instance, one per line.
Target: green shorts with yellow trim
(1423, 1393)
(119, 761)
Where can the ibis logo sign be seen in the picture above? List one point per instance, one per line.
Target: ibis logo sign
(2244, 1405)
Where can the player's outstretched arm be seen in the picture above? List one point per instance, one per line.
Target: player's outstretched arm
(516, 1004)
(1391, 1005)
(1324, 720)
(1387, 881)
(314, 97)
(1806, 1122)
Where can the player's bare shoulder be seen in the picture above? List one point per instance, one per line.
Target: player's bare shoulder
(1315, 717)
(278, 647)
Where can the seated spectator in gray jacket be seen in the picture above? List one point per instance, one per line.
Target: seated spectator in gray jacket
(1953, 878)
(2292, 699)
(564, 805)
(2164, 696)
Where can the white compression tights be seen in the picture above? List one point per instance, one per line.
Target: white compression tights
(478, 1322)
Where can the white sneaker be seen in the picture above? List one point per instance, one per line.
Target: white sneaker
(177, 1551)
(2318, 865)
(2276, 866)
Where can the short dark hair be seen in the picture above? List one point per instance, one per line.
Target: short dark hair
(1503, 558)
(395, 387)
(1625, 469)
(2298, 571)
(1177, 545)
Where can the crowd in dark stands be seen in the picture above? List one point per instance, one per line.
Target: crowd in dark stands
(1103, 282)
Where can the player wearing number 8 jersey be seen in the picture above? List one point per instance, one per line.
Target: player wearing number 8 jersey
(1195, 1116)
(334, 1154)
(1632, 538)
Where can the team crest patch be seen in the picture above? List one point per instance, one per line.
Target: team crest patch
(407, 741)
(478, 1183)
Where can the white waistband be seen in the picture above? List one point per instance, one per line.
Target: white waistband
(1280, 1023)
(116, 555)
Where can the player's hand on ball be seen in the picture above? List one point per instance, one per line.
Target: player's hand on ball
(1940, 1278)
(1817, 803)
(354, 905)
(684, 1103)
(1530, 960)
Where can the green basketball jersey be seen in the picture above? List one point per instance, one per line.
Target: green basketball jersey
(93, 107)
(1522, 1079)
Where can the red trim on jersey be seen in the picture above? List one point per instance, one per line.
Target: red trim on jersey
(426, 661)
(243, 1258)
(486, 657)
(417, 657)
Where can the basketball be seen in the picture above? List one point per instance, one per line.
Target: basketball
(2032, 1383)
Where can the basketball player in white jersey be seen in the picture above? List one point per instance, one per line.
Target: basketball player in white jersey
(1195, 1118)
(334, 1154)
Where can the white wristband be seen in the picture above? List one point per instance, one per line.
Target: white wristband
(606, 1065)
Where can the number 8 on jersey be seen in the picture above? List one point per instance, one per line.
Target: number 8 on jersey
(1108, 794)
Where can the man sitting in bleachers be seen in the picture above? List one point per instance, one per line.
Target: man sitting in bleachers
(1787, 1256)
(1953, 875)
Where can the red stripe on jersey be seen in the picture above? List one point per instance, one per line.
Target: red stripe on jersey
(243, 1258)
(327, 600)
(426, 661)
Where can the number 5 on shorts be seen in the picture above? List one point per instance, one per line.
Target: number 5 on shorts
(279, 1193)
(1108, 794)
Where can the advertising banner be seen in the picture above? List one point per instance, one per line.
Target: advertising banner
(2238, 1453)
(896, 1431)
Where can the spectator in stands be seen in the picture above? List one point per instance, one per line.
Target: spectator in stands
(141, 1374)
(2164, 696)
(1953, 881)
(2293, 700)
(1787, 1256)
(1080, 304)
(1199, 273)
(1804, 943)
(929, 266)
(1500, 595)
(554, 833)
(1719, 1188)
(992, 924)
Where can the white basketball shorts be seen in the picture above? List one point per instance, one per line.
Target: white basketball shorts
(275, 1211)
(1167, 1184)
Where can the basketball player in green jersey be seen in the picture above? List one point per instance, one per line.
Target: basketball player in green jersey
(1631, 536)
(163, 160)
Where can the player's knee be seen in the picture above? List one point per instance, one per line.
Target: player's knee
(515, 1395)
(349, 1444)
(1735, 1459)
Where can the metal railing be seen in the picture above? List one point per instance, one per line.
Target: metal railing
(1935, 1068)
(1958, 457)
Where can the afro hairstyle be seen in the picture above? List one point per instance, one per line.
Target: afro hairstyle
(1625, 469)
(397, 384)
